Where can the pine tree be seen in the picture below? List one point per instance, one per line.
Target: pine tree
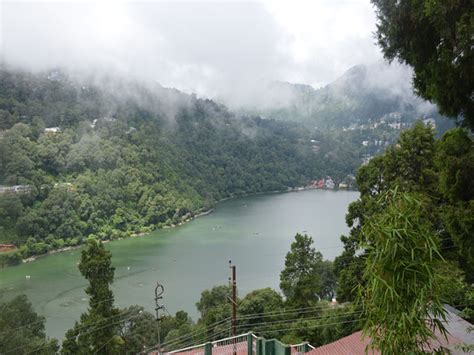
(306, 277)
(98, 327)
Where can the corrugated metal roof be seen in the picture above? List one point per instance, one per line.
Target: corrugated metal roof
(352, 344)
(355, 344)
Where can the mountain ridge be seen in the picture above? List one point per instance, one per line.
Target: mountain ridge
(362, 94)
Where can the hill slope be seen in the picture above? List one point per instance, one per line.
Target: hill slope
(111, 158)
(361, 95)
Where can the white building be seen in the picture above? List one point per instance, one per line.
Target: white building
(52, 130)
(329, 183)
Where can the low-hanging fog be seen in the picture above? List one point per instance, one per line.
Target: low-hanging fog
(230, 51)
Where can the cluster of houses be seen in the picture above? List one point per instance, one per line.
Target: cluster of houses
(15, 189)
(392, 120)
(27, 188)
(329, 184)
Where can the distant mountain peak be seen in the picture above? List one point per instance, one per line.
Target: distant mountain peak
(361, 94)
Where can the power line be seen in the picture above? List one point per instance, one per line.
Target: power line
(291, 310)
(195, 333)
(250, 325)
(185, 337)
(213, 335)
(22, 326)
(254, 315)
(188, 338)
(107, 342)
(342, 315)
(88, 332)
(39, 321)
(191, 335)
(317, 325)
(208, 338)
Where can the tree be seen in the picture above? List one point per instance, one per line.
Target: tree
(214, 306)
(22, 330)
(98, 328)
(137, 329)
(408, 166)
(401, 295)
(258, 307)
(10, 208)
(301, 280)
(455, 161)
(436, 39)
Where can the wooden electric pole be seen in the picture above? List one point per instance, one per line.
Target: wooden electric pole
(234, 299)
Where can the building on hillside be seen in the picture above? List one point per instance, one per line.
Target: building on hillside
(52, 130)
(7, 247)
(430, 122)
(329, 184)
(317, 184)
(15, 189)
(396, 125)
(366, 158)
(54, 75)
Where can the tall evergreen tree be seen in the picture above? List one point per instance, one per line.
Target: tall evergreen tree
(22, 331)
(306, 278)
(436, 39)
(98, 327)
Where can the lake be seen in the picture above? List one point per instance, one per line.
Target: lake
(255, 232)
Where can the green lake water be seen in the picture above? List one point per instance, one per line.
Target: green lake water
(255, 232)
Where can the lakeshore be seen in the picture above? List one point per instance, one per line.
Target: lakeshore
(255, 232)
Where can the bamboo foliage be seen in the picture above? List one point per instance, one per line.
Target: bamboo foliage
(401, 298)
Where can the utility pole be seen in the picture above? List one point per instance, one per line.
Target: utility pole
(234, 299)
(159, 290)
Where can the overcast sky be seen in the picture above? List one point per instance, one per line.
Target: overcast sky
(211, 48)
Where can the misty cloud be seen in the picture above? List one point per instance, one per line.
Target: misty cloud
(226, 50)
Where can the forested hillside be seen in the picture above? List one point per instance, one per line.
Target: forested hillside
(365, 94)
(111, 158)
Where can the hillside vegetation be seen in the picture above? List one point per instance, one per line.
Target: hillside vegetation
(364, 94)
(112, 158)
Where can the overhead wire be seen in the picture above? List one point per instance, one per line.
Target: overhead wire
(317, 325)
(199, 331)
(190, 335)
(195, 333)
(205, 340)
(292, 320)
(87, 332)
(286, 311)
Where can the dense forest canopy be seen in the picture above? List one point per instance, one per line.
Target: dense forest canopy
(90, 158)
(111, 158)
